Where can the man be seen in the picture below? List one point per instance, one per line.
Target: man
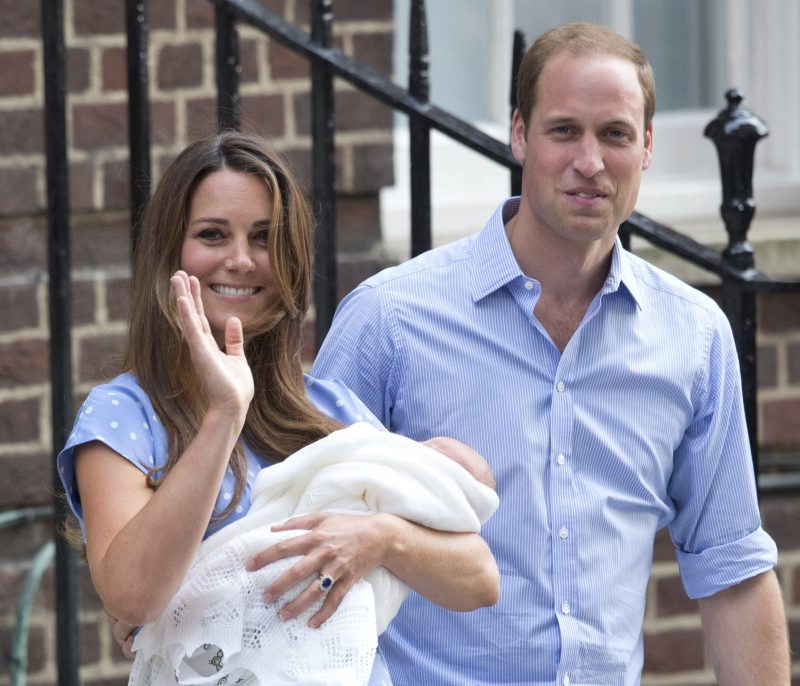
(604, 393)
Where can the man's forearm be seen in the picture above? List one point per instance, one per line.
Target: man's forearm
(746, 633)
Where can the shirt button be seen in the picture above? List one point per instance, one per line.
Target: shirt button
(528, 285)
(564, 532)
(565, 607)
(565, 680)
(561, 459)
(560, 386)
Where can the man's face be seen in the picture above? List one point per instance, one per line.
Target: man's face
(585, 147)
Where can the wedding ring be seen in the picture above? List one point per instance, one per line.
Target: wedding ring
(325, 582)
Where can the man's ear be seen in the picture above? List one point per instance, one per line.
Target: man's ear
(518, 135)
(648, 147)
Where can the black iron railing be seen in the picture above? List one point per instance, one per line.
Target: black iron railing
(736, 143)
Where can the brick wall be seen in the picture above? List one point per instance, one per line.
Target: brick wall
(275, 89)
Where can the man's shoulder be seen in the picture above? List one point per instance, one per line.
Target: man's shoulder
(433, 265)
(658, 283)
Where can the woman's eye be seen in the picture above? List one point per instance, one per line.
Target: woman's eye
(209, 234)
(261, 236)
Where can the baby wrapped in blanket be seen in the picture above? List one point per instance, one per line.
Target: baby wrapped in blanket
(217, 629)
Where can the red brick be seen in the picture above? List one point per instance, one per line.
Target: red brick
(19, 419)
(264, 115)
(793, 353)
(199, 14)
(180, 66)
(77, 70)
(673, 651)
(99, 358)
(796, 588)
(201, 117)
(299, 160)
(25, 480)
(101, 242)
(19, 190)
(20, 19)
(780, 427)
(358, 221)
(350, 10)
(375, 50)
(36, 651)
(248, 60)
(100, 125)
(162, 123)
(22, 243)
(161, 14)
(779, 312)
(373, 167)
(19, 307)
(118, 299)
(672, 599)
(354, 111)
(21, 131)
(794, 637)
(93, 17)
(116, 186)
(89, 647)
(83, 302)
(285, 63)
(24, 363)
(81, 185)
(780, 516)
(767, 369)
(114, 69)
(16, 72)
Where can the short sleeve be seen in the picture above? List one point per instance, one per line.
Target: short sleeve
(337, 401)
(119, 415)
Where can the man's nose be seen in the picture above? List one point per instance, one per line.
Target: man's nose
(588, 159)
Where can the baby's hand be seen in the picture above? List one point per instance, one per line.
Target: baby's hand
(468, 458)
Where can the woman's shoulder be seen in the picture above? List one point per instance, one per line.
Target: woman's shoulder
(335, 399)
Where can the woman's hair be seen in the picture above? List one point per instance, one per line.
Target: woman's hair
(581, 39)
(280, 419)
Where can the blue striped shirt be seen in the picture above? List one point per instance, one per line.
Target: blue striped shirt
(637, 425)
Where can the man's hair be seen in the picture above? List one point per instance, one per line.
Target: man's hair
(580, 39)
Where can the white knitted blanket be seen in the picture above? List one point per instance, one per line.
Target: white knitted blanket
(217, 628)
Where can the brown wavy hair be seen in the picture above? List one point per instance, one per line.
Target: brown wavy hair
(581, 39)
(280, 419)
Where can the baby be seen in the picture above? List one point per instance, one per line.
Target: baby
(218, 630)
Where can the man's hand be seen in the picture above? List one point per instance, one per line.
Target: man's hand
(123, 635)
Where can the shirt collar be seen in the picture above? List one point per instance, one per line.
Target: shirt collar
(494, 264)
(621, 274)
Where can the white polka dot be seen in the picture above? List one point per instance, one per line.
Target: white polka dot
(114, 424)
(150, 457)
(89, 409)
(100, 438)
(239, 509)
(339, 402)
(115, 402)
(227, 496)
(146, 426)
(133, 436)
(250, 473)
(155, 417)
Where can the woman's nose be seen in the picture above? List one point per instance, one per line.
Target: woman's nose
(240, 258)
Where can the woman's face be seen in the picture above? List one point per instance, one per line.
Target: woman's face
(225, 247)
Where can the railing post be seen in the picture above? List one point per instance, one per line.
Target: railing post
(229, 109)
(735, 132)
(324, 173)
(138, 113)
(419, 131)
(59, 301)
(517, 53)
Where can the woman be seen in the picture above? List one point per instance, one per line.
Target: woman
(166, 454)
